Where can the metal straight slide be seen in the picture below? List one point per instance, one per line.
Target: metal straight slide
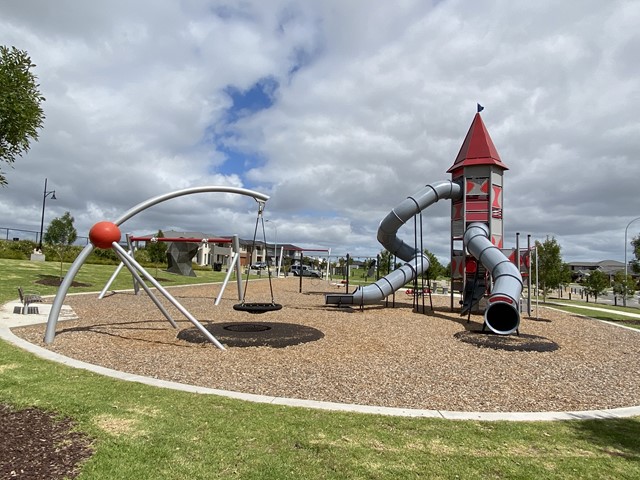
(417, 262)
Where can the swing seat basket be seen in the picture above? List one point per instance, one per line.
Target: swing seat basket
(257, 307)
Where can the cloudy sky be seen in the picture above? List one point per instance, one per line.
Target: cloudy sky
(336, 109)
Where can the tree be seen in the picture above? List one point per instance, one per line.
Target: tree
(385, 261)
(435, 269)
(60, 235)
(623, 286)
(551, 271)
(596, 283)
(635, 264)
(20, 113)
(565, 275)
(157, 251)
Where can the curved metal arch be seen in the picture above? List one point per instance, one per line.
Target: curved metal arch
(52, 319)
(260, 197)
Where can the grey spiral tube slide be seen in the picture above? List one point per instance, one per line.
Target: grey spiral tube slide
(502, 314)
(417, 262)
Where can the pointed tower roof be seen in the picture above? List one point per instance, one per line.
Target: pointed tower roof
(477, 148)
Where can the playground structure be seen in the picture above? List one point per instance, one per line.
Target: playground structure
(479, 267)
(107, 235)
(480, 270)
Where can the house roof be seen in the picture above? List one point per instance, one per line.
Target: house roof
(601, 263)
(606, 266)
(477, 148)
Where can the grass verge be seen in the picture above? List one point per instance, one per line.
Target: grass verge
(607, 312)
(92, 278)
(147, 432)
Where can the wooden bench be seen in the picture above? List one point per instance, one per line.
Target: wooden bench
(27, 299)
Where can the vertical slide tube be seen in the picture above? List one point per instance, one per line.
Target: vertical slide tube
(417, 262)
(502, 314)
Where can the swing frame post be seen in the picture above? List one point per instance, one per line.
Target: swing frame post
(236, 247)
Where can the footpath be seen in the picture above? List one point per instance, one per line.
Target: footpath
(599, 309)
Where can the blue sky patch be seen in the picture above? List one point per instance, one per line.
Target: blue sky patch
(260, 96)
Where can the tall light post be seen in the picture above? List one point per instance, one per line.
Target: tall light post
(44, 200)
(624, 299)
(275, 246)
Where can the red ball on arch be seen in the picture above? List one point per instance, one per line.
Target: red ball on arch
(103, 234)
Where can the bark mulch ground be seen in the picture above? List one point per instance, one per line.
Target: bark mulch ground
(35, 444)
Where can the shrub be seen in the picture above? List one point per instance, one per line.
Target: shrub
(18, 250)
(103, 257)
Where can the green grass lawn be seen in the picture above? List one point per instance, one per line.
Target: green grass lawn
(608, 315)
(26, 274)
(143, 432)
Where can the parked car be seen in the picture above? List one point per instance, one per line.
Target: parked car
(306, 271)
(259, 266)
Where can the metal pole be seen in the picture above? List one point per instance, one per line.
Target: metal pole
(529, 275)
(56, 306)
(136, 275)
(111, 279)
(44, 201)
(348, 274)
(517, 259)
(280, 261)
(226, 279)
(624, 298)
(236, 248)
(275, 248)
(300, 272)
(537, 287)
(132, 263)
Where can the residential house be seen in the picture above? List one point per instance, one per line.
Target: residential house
(581, 269)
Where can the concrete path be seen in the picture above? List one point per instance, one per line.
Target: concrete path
(10, 319)
(599, 309)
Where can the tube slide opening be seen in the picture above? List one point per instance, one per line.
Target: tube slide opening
(502, 318)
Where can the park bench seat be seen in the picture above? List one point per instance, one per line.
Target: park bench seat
(27, 299)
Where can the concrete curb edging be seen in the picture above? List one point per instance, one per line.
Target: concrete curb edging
(6, 334)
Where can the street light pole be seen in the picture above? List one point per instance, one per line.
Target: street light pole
(624, 298)
(44, 200)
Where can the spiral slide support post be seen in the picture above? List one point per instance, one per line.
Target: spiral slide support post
(502, 314)
(417, 262)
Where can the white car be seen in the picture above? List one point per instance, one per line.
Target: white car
(306, 271)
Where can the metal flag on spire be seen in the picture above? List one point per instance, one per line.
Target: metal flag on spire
(480, 108)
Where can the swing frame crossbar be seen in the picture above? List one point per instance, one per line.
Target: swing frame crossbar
(149, 238)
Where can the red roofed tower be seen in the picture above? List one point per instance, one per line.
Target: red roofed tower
(479, 169)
